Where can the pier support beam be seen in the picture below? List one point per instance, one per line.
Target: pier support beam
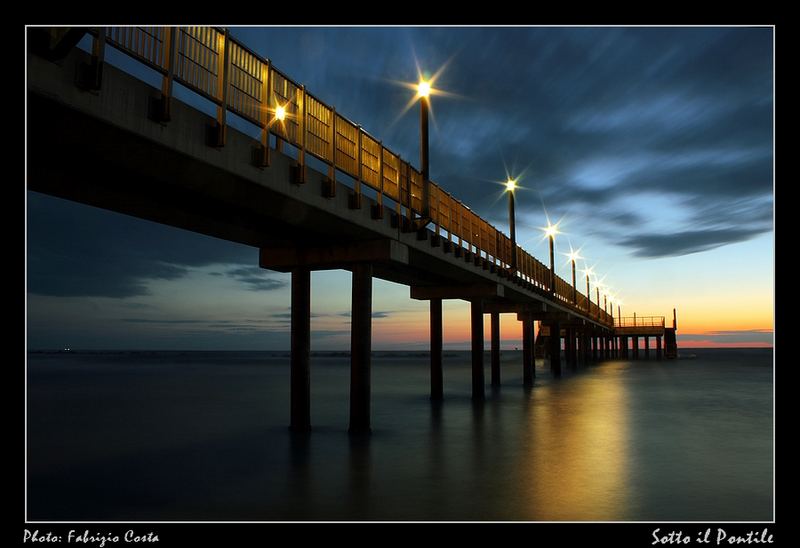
(635, 348)
(360, 349)
(573, 351)
(646, 347)
(658, 347)
(437, 382)
(476, 313)
(555, 349)
(594, 347)
(300, 376)
(495, 348)
(527, 350)
(582, 348)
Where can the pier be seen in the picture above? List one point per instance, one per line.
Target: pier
(314, 191)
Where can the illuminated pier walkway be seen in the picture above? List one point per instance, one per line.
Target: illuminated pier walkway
(100, 136)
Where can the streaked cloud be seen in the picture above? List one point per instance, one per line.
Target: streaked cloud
(732, 336)
(683, 243)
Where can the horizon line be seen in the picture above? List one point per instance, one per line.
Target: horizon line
(341, 351)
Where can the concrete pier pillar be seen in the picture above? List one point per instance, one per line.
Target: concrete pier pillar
(646, 347)
(437, 382)
(533, 348)
(581, 348)
(635, 348)
(360, 349)
(495, 348)
(594, 347)
(658, 347)
(300, 375)
(527, 351)
(555, 349)
(476, 322)
(573, 351)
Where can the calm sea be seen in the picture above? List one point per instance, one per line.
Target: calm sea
(203, 436)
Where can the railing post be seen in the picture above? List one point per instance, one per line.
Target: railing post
(299, 170)
(218, 131)
(435, 240)
(329, 184)
(377, 209)
(355, 198)
(160, 111)
(405, 196)
(89, 76)
(263, 159)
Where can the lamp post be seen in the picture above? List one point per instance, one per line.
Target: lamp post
(588, 271)
(573, 256)
(511, 185)
(551, 232)
(598, 300)
(574, 289)
(424, 92)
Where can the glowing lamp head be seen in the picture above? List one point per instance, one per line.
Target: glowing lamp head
(551, 230)
(280, 113)
(511, 185)
(573, 256)
(424, 88)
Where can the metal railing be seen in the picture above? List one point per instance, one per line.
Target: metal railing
(210, 62)
(639, 321)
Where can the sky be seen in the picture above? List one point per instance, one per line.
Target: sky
(652, 147)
